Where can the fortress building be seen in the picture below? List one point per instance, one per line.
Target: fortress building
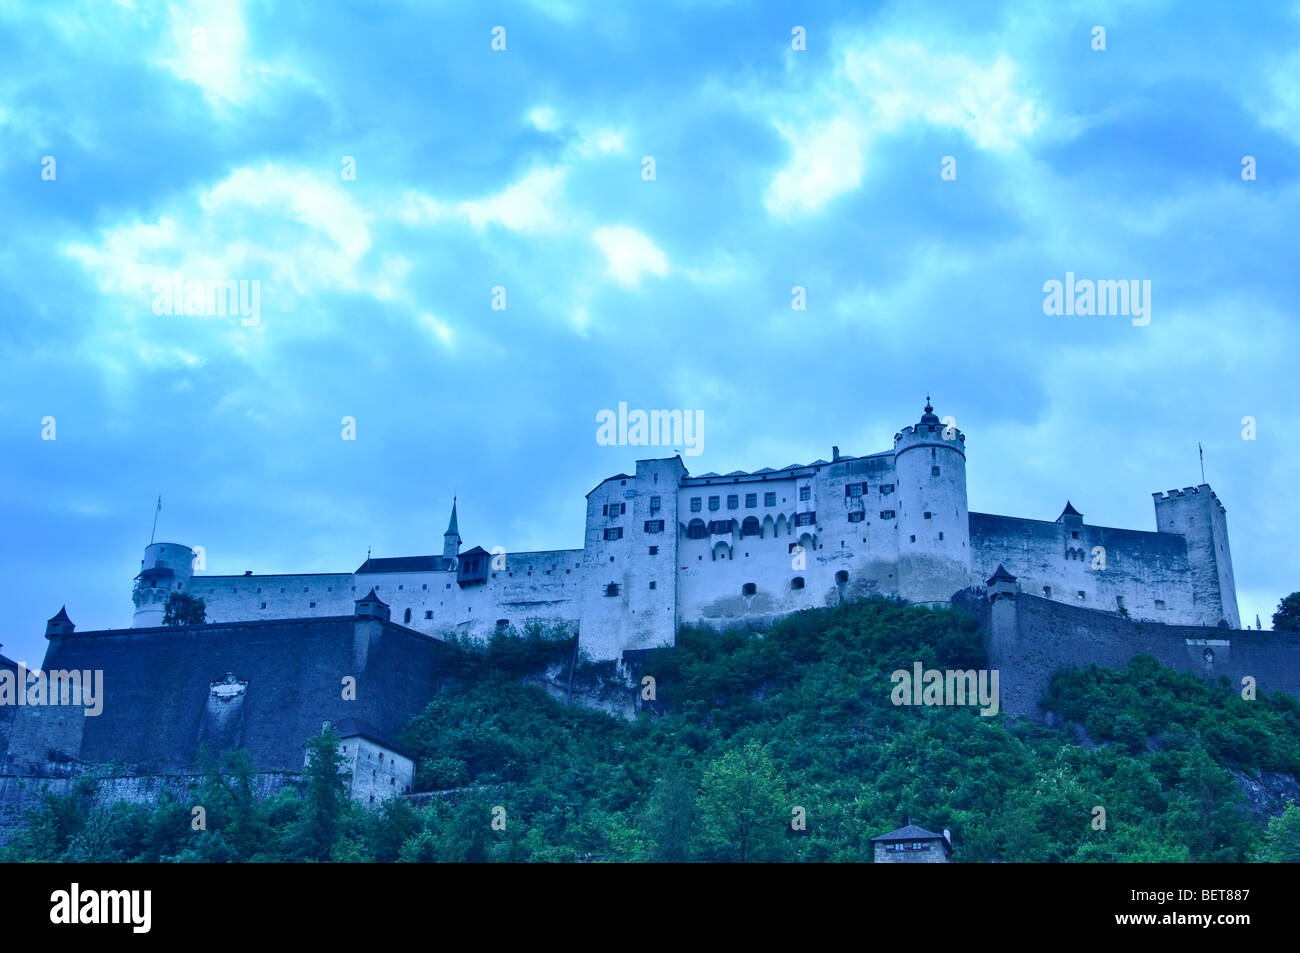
(662, 548)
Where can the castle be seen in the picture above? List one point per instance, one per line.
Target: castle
(365, 651)
(662, 548)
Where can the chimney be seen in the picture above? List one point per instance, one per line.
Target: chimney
(835, 453)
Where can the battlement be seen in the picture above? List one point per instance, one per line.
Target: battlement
(1189, 491)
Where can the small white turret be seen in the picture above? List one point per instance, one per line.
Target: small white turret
(166, 568)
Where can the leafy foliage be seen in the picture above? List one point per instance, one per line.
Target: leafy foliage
(754, 725)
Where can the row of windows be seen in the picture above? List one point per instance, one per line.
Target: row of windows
(614, 509)
(733, 501)
(860, 489)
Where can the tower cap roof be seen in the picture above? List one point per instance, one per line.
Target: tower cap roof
(1001, 575)
(62, 615)
(372, 596)
(1069, 510)
(929, 417)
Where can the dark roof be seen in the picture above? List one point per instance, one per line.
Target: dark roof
(1069, 510)
(1001, 574)
(404, 564)
(372, 596)
(765, 470)
(911, 832)
(452, 529)
(475, 552)
(62, 616)
(355, 727)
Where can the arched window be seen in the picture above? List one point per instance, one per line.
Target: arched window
(750, 527)
(796, 582)
(697, 530)
(406, 616)
(748, 589)
(842, 577)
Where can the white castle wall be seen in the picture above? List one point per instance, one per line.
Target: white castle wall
(1181, 574)
(1149, 571)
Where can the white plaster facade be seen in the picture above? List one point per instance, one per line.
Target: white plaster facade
(662, 548)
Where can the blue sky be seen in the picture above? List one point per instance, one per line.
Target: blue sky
(208, 138)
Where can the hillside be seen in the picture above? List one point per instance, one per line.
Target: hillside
(749, 727)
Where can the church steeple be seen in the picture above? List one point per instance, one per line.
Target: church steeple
(451, 538)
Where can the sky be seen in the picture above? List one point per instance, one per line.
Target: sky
(383, 173)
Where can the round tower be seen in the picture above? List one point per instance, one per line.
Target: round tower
(934, 556)
(166, 568)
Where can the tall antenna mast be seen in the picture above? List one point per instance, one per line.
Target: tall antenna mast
(1202, 453)
(154, 531)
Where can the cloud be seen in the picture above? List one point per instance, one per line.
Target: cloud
(827, 159)
(877, 90)
(528, 205)
(629, 255)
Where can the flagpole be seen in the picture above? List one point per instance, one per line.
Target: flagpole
(154, 531)
(1201, 451)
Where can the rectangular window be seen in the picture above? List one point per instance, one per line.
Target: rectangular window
(805, 493)
(769, 499)
(1160, 603)
(614, 532)
(856, 516)
(886, 489)
(721, 527)
(886, 514)
(715, 503)
(654, 526)
(934, 471)
(733, 502)
(428, 613)
(1082, 595)
(751, 500)
(914, 537)
(855, 489)
(1047, 592)
(805, 519)
(654, 550)
(604, 510)
(695, 504)
(929, 515)
(611, 589)
(1074, 534)
(654, 505)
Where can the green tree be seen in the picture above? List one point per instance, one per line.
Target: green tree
(670, 815)
(325, 800)
(1282, 841)
(743, 807)
(184, 609)
(1287, 616)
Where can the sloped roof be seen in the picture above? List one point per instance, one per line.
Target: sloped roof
(1001, 573)
(911, 832)
(403, 564)
(356, 728)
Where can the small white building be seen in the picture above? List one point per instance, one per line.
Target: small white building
(377, 767)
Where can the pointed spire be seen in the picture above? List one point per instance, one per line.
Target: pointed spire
(452, 528)
(1001, 574)
(1069, 511)
(60, 624)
